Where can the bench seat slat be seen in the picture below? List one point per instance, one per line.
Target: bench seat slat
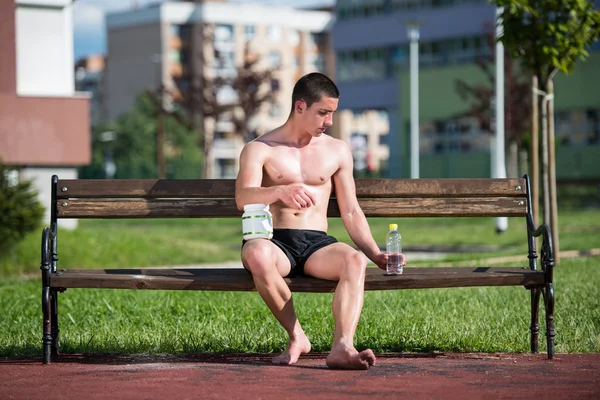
(240, 280)
(372, 207)
(225, 188)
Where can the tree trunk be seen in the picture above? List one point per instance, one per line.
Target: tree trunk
(160, 140)
(552, 174)
(513, 160)
(535, 153)
(208, 170)
(545, 180)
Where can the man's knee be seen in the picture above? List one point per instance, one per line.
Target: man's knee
(258, 257)
(355, 265)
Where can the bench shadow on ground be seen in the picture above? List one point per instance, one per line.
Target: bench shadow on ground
(253, 359)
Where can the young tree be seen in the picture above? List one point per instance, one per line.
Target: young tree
(134, 147)
(250, 82)
(254, 88)
(548, 37)
(480, 95)
(20, 210)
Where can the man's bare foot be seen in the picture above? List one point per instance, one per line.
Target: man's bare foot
(294, 349)
(343, 357)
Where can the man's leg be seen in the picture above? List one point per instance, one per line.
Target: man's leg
(342, 263)
(268, 265)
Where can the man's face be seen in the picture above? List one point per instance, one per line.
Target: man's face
(319, 116)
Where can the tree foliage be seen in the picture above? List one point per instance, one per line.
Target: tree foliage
(517, 91)
(249, 81)
(134, 149)
(549, 36)
(20, 210)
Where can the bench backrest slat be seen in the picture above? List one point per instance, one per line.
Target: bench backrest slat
(372, 207)
(225, 188)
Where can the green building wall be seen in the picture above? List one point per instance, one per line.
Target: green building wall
(438, 99)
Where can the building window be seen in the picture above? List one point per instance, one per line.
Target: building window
(274, 59)
(316, 39)
(452, 136)
(226, 168)
(294, 37)
(350, 9)
(224, 34)
(226, 95)
(185, 31)
(224, 60)
(175, 56)
(578, 127)
(317, 62)
(359, 148)
(275, 110)
(274, 33)
(183, 84)
(249, 32)
(275, 85)
(366, 64)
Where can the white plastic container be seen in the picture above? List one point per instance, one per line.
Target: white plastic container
(257, 222)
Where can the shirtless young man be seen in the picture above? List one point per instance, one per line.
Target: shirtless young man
(294, 168)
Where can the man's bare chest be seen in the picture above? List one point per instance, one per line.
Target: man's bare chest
(293, 166)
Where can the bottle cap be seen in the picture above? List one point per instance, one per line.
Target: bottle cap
(393, 227)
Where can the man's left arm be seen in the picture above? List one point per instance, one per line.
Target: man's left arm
(352, 215)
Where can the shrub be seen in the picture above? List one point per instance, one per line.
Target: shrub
(20, 210)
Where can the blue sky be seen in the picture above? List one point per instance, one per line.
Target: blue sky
(89, 31)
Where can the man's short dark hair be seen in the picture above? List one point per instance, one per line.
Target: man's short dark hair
(310, 88)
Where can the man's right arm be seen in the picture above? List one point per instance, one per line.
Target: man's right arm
(248, 188)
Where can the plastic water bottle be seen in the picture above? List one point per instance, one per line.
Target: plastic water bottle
(393, 248)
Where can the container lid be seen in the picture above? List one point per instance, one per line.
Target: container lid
(256, 207)
(393, 227)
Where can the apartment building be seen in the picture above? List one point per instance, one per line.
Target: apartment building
(372, 47)
(372, 50)
(161, 45)
(44, 123)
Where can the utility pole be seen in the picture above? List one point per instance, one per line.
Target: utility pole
(413, 35)
(499, 169)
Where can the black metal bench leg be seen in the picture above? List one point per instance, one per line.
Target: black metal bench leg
(47, 336)
(535, 326)
(46, 297)
(549, 302)
(54, 322)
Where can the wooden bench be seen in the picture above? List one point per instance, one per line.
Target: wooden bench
(391, 198)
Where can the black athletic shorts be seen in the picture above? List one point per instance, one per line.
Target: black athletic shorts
(298, 245)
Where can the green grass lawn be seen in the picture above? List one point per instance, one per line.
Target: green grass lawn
(462, 319)
(137, 243)
(488, 319)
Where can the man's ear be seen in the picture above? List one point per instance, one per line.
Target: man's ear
(300, 106)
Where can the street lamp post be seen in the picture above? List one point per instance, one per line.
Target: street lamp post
(413, 35)
(110, 168)
(498, 165)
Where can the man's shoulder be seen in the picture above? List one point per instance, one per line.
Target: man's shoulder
(257, 144)
(334, 143)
